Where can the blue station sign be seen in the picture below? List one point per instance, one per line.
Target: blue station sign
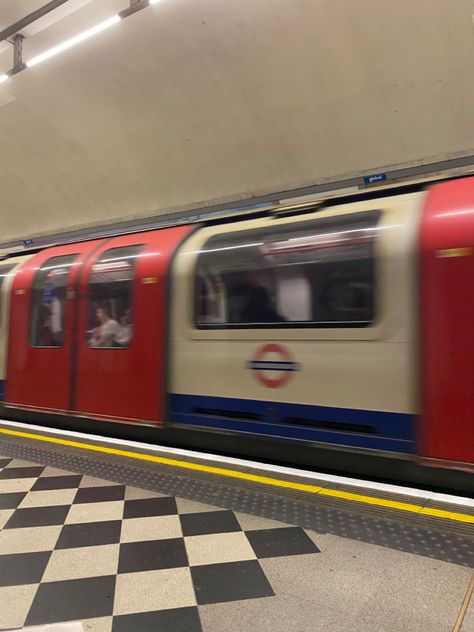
(375, 177)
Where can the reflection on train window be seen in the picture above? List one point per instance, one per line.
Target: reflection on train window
(110, 298)
(5, 272)
(48, 302)
(318, 273)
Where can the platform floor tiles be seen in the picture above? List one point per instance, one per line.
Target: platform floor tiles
(124, 559)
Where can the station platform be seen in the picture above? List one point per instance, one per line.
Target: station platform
(121, 536)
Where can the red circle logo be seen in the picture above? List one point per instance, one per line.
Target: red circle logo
(273, 365)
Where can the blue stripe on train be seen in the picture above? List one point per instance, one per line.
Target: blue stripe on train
(350, 427)
(2, 390)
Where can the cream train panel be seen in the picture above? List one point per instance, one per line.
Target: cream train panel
(7, 272)
(350, 386)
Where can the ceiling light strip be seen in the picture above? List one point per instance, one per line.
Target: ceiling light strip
(3, 78)
(98, 28)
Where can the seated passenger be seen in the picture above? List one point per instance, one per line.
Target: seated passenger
(104, 335)
(124, 334)
(259, 307)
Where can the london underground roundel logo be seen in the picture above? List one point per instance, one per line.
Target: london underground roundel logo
(273, 365)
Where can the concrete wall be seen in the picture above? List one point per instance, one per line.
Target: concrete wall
(188, 103)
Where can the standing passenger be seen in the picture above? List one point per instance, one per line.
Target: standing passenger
(105, 334)
(259, 308)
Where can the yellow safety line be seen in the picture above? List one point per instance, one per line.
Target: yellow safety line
(255, 478)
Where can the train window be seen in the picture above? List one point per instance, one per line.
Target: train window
(318, 273)
(110, 298)
(5, 272)
(48, 302)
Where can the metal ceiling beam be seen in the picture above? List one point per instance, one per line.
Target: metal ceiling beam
(18, 50)
(29, 19)
(135, 5)
(17, 41)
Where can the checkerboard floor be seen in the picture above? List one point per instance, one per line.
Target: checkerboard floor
(120, 558)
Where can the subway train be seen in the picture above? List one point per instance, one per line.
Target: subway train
(341, 332)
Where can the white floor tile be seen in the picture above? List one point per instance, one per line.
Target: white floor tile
(95, 512)
(87, 561)
(15, 602)
(29, 540)
(154, 590)
(151, 528)
(48, 498)
(218, 547)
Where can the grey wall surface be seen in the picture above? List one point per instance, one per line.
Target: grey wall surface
(192, 102)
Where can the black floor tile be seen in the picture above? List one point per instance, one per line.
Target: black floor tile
(209, 522)
(150, 507)
(23, 568)
(38, 517)
(21, 472)
(89, 534)
(280, 542)
(71, 600)
(100, 494)
(152, 555)
(175, 620)
(216, 583)
(57, 482)
(11, 501)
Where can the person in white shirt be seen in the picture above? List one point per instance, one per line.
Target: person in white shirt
(105, 334)
(124, 335)
(56, 321)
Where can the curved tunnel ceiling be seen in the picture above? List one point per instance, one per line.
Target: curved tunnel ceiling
(189, 103)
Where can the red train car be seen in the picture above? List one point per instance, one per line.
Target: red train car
(53, 363)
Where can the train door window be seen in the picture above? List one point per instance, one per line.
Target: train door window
(48, 302)
(318, 273)
(5, 272)
(110, 322)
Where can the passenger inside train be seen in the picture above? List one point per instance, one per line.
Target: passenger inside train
(124, 335)
(49, 295)
(110, 332)
(259, 307)
(104, 334)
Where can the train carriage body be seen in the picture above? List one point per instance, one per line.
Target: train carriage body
(337, 368)
(347, 326)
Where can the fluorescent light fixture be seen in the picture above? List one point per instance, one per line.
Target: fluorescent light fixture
(73, 41)
(3, 78)
(153, 1)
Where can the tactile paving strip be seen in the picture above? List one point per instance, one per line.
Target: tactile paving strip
(442, 540)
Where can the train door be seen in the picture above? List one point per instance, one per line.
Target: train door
(41, 332)
(447, 316)
(121, 336)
